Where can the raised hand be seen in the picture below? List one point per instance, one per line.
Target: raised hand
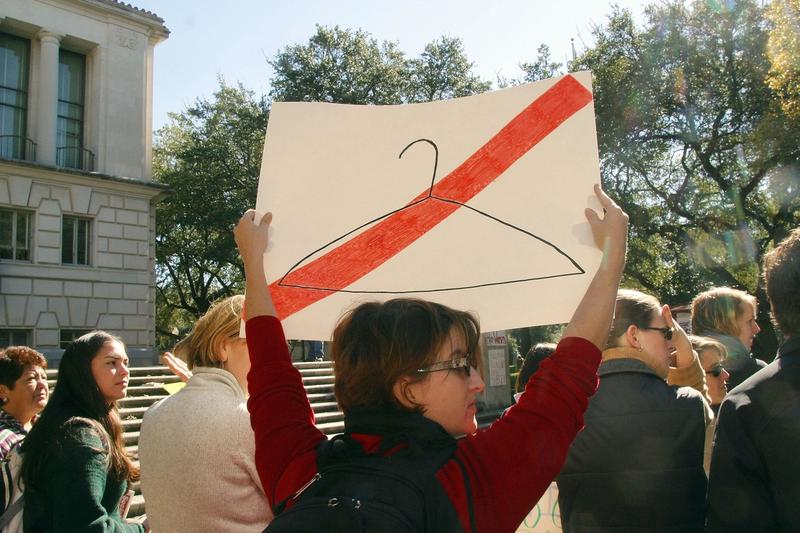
(610, 232)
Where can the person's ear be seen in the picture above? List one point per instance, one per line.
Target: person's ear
(223, 349)
(632, 337)
(403, 391)
(5, 392)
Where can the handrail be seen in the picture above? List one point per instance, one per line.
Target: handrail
(17, 147)
(75, 157)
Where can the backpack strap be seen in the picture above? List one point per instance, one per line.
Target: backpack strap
(7, 481)
(13, 510)
(468, 487)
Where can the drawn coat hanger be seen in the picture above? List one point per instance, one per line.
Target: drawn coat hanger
(370, 245)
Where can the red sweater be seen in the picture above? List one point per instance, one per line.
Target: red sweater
(510, 464)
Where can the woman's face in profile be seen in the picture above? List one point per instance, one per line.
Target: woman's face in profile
(449, 396)
(746, 322)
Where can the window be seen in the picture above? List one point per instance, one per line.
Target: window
(69, 335)
(15, 235)
(76, 235)
(15, 337)
(69, 129)
(14, 53)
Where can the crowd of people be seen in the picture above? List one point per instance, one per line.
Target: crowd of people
(628, 413)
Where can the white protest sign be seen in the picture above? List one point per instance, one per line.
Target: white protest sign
(476, 203)
(545, 517)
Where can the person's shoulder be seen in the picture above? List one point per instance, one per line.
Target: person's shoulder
(770, 385)
(84, 432)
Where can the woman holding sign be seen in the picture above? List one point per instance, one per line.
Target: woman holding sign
(407, 376)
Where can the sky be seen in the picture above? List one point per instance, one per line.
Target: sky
(234, 39)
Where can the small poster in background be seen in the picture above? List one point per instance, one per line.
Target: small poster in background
(498, 367)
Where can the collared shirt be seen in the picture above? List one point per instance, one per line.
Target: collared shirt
(11, 432)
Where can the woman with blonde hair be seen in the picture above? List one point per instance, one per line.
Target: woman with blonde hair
(198, 442)
(729, 316)
(643, 440)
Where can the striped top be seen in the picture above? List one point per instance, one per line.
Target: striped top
(11, 432)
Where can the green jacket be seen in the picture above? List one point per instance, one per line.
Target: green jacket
(81, 494)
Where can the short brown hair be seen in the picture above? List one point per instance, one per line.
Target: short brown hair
(632, 308)
(717, 309)
(14, 360)
(782, 277)
(375, 344)
(202, 346)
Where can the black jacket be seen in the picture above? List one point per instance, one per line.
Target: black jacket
(638, 463)
(755, 471)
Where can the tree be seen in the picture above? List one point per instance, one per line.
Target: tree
(542, 67)
(783, 46)
(340, 65)
(694, 144)
(210, 155)
(350, 67)
(442, 71)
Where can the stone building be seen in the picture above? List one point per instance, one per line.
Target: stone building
(77, 203)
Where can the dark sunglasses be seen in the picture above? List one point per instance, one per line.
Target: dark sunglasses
(461, 365)
(715, 371)
(667, 332)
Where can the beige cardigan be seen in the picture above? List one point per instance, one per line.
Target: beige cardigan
(197, 454)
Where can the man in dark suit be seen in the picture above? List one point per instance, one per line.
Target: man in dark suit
(754, 483)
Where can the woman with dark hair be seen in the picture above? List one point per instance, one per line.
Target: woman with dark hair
(23, 393)
(530, 365)
(407, 375)
(75, 467)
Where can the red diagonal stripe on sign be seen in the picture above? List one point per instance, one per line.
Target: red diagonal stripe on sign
(352, 260)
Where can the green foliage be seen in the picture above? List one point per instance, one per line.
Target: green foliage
(210, 155)
(523, 339)
(342, 66)
(784, 53)
(442, 71)
(693, 144)
(542, 67)
(350, 67)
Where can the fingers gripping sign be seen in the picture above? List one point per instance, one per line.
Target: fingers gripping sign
(610, 232)
(252, 238)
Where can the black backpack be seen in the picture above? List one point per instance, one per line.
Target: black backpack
(353, 492)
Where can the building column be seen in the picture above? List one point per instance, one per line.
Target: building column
(47, 105)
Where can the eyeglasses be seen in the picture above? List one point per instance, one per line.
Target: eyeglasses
(716, 370)
(462, 365)
(667, 332)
